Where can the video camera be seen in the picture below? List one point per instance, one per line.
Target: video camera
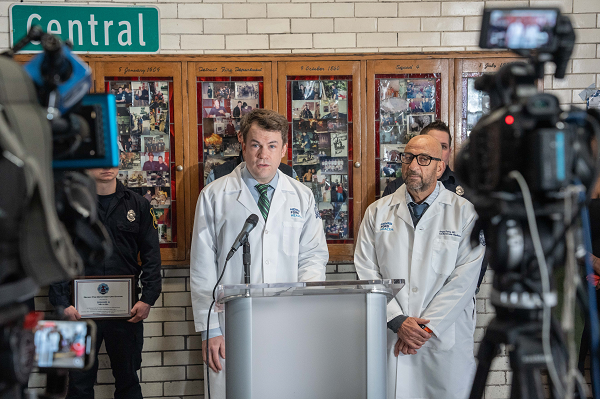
(49, 127)
(534, 162)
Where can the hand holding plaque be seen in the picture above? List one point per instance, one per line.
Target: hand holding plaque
(104, 297)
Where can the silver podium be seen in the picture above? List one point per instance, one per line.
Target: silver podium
(317, 340)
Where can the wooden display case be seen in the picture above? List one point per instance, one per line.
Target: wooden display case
(471, 104)
(324, 140)
(149, 119)
(403, 96)
(354, 136)
(227, 82)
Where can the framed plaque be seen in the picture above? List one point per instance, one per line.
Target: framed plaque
(104, 297)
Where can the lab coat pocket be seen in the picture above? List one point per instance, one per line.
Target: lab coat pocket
(444, 254)
(445, 342)
(291, 238)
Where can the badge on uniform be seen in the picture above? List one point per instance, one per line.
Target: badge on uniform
(131, 215)
(460, 191)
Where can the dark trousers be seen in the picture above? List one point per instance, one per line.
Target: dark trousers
(124, 343)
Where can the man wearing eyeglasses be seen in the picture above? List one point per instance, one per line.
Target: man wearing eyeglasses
(421, 233)
(440, 131)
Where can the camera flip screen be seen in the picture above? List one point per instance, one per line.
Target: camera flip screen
(61, 344)
(518, 29)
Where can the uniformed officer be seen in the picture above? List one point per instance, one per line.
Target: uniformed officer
(130, 222)
(439, 130)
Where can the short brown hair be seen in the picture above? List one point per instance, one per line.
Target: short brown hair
(438, 125)
(265, 119)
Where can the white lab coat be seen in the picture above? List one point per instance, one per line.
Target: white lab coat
(290, 247)
(441, 272)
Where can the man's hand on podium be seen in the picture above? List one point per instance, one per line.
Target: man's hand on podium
(216, 347)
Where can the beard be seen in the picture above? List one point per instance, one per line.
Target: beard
(417, 182)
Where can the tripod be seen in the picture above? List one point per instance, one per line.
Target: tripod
(520, 331)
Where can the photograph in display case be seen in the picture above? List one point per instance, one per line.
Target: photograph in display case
(141, 94)
(339, 144)
(155, 143)
(155, 161)
(421, 105)
(140, 120)
(331, 165)
(416, 123)
(307, 90)
(130, 161)
(337, 125)
(420, 88)
(158, 121)
(335, 220)
(391, 169)
(334, 109)
(392, 88)
(158, 179)
(391, 152)
(339, 188)
(246, 90)
(335, 90)
(129, 143)
(122, 92)
(217, 108)
(303, 109)
(124, 122)
(159, 95)
(231, 147)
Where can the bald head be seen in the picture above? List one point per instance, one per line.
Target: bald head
(428, 145)
(420, 180)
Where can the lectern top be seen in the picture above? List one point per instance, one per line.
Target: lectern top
(388, 287)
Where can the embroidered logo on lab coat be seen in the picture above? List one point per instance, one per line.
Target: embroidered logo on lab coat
(386, 226)
(295, 213)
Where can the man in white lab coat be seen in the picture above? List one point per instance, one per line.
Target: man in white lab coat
(287, 245)
(421, 234)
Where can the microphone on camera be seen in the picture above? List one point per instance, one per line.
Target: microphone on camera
(243, 236)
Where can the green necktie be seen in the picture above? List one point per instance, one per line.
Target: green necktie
(263, 200)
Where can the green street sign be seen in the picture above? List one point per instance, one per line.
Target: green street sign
(93, 29)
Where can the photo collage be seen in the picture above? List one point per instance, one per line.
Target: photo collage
(475, 104)
(405, 107)
(320, 141)
(144, 145)
(223, 105)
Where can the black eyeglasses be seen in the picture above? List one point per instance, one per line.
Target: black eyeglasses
(422, 159)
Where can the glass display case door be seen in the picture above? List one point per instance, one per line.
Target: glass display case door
(317, 97)
(472, 104)
(151, 141)
(403, 96)
(220, 94)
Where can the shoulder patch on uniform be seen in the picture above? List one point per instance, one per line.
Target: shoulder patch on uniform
(481, 238)
(317, 213)
(154, 221)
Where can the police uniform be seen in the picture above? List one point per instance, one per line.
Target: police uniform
(130, 222)
(448, 179)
